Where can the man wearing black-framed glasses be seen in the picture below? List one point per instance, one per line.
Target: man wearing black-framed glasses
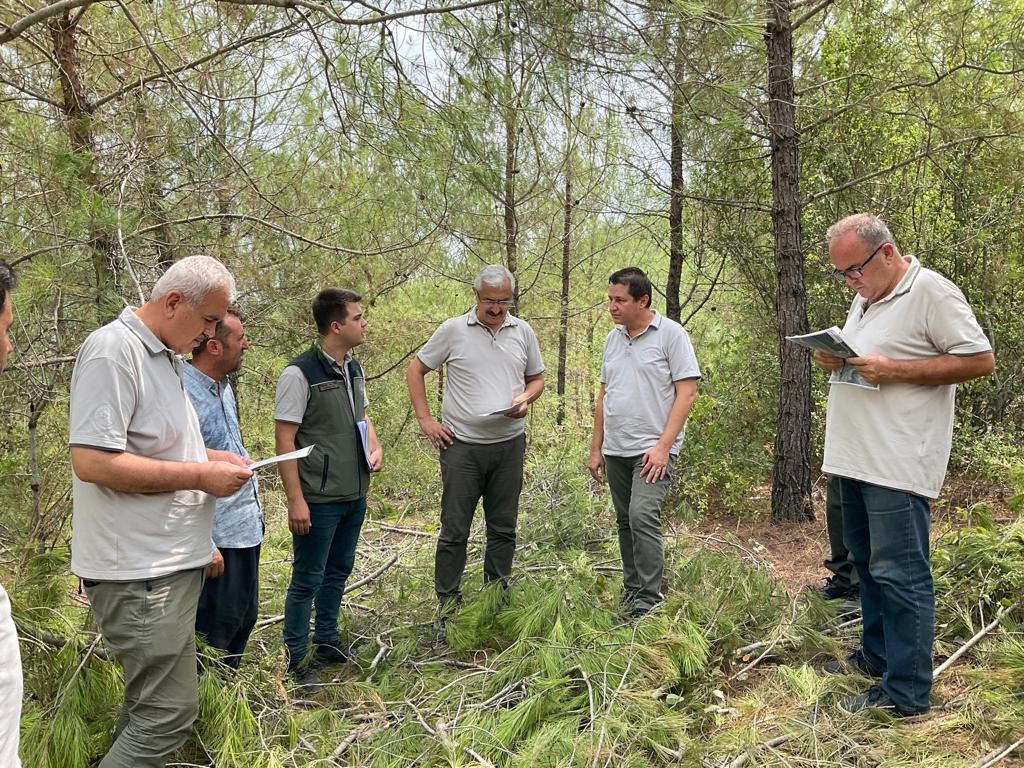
(889, 446)
(494, 371)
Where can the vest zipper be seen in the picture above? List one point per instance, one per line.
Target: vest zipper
(323, 479)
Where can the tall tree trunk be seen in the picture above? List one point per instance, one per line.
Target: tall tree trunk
(511, 120)
(563, 295)
(78, 121)
(675, 205)
(791, 475)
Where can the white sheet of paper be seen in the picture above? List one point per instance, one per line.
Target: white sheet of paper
(500, 411)
(299, 454)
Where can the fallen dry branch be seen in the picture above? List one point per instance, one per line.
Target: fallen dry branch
(741, 760)
(974, 640)
(998, 755)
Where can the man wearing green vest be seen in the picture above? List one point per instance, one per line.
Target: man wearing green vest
(321, 400)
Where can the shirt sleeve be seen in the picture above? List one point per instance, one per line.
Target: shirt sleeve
(534, 363)
(952, 326)
(438, 348)
(103, 397)
(292, 396)
(682, 360)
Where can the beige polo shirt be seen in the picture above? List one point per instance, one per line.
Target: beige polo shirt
(484, 372)
(899, 435)
(127, 395)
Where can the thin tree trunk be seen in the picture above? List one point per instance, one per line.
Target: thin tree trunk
(511, 152)
(675, 206)
(791, 476)
(563, 296)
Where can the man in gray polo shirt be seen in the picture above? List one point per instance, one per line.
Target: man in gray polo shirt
(142, 488)
(917, 338)
(494, 371)
(649, 377)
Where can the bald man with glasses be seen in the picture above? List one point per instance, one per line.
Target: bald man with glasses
(889, 447)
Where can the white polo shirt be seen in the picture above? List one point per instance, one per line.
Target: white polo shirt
(899, 436)
(639, 376)
(484, 372)
(127, 395)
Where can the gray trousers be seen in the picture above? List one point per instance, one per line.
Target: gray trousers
(149, 627)
(839, 556)
(638, 517)
(469, 472)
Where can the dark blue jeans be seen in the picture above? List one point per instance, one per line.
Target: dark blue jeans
(886, 532)
(321, 563)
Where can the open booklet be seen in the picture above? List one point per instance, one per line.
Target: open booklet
(831, 341)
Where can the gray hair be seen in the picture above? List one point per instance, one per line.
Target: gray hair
(869, 228)
(493, 275)
(195, 277)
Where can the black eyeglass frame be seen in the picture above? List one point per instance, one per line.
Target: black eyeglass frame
(842, 274)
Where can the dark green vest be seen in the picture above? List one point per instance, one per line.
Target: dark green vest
(336, 470)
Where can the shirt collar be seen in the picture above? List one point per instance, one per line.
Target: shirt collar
(140, 329)
(472, 319)
(903, 286)
(203, 380)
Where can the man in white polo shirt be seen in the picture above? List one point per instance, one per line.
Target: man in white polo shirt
(493, 367)
(649, 376)
(917, 338)
(142, 489)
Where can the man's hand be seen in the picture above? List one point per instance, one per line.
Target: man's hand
(298, 516)
(216, 568)
(222, 478)
(523, 401)
(596, 465)
(228, 456)
(655, 464)
(876, 369)
(828, 362)
(376, 459)
(437, 433)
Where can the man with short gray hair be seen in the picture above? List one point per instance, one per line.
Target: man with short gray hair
(889, 447)
(143, 487)
(494, 371)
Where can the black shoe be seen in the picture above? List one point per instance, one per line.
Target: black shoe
(874, 698)
(838, 589)
(305, 677)
(441, 629)
(854, 664)
(327, 654)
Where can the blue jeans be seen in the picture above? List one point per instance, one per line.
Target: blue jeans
(321, 563)
(886, 532)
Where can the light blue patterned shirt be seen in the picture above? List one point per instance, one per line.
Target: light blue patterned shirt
(238, 519)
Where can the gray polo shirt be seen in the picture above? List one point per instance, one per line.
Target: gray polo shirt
(899, 435)
(127, 395)
(639, 378)
(484, 372)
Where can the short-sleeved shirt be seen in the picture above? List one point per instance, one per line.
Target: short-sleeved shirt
(237, 519)
(485, 371)
(127, 395)
(639, 376)
(899, 435)
(292, 395)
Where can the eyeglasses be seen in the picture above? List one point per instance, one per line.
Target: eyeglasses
(857, 271)
(501, 303)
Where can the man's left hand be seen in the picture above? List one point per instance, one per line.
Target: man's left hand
(655, 465)
(876, 369)
(216, 568)
(523, 401)
(376, 459)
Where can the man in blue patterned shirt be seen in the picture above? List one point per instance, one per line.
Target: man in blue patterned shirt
(229, 601)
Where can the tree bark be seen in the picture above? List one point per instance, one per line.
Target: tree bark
(791, 475)
(563, 295)
(675, 205)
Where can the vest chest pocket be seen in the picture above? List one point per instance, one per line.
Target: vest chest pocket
(328, 385)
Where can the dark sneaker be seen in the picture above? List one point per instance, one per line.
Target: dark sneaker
(441, 629)
(305, 677)
(330, 654)
(854, 664)
(874, 698)
(838, 589)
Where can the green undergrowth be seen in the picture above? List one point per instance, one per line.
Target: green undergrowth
(551, 672)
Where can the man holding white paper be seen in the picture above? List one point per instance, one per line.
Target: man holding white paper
(494, 371)
(917, 338)
(321, 399)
